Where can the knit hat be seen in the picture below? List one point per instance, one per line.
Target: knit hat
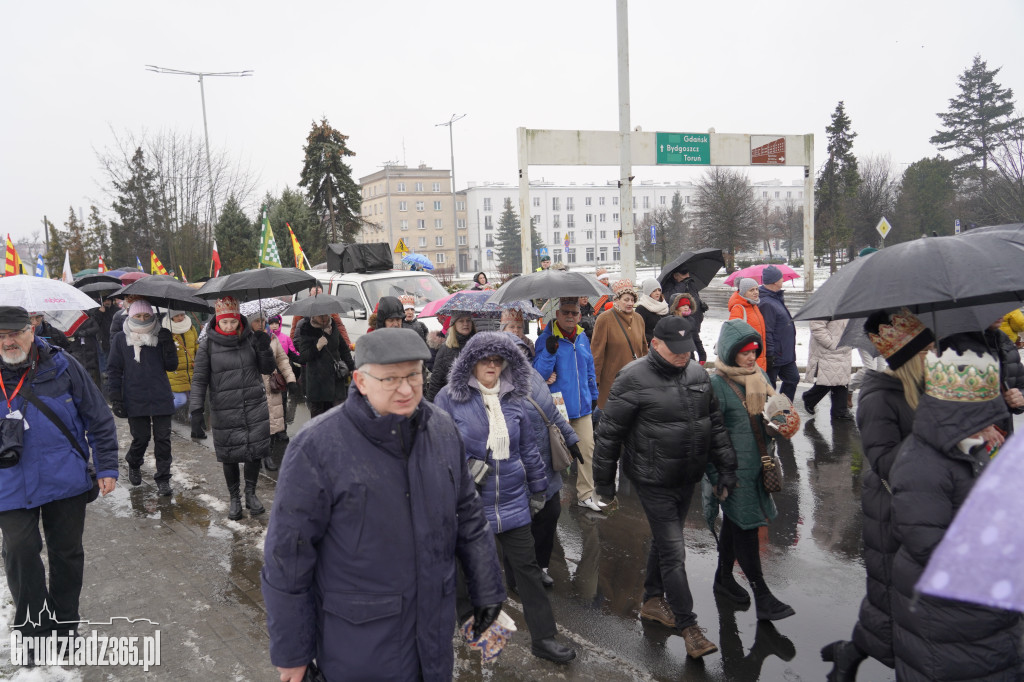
(407, 301)
(140, 306)
(968, 378)
(771, 275)
(274, 318)
(622, 287)
(602, 275)
(227, 307)
(511, 315)
(745, 284)
(650, 285)
(898, 337)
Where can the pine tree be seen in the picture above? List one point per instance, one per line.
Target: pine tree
(978, 119)
(836, 186)
(925, 202)
(237, 238)
(142, 226)
(333, 194)
(74, 241)
(55, 253)
(509, 240)
(97, 237)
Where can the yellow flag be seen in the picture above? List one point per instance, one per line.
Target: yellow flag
(296, 249)
(155, 266)
(12, 264)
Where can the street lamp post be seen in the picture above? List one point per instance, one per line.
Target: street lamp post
(455, 213)
(206, 134)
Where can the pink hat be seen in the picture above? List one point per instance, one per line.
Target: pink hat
(140, 306)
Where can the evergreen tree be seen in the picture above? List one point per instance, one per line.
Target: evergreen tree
(509, 240)
(57, 241)
(74, 241)
(925, 202)
(978, 119)
(333, 194)
(97, 237)
(141, 226)
(292, 208)
(237, 238)
(726, 212)
(836, 187)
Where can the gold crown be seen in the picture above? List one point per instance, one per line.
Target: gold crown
(968, 378)
(892, 337)
(407, 300)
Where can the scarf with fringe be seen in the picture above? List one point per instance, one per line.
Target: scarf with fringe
(497, 430)
(756, 387)
(139, 334)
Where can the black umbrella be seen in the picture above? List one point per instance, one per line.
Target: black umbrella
(925, 276)
(99, 282)
(702, 264)
(549, 284)
(166, 292)
(261, 283)
(323, 304)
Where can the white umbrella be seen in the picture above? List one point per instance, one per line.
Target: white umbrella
(37, 294)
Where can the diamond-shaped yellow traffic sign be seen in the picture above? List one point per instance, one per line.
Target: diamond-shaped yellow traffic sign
(883, 227)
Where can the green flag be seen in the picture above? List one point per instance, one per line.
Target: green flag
(268, 245)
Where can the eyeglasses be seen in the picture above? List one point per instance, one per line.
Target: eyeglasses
(391, 384)
(495, 361)
(13, 335)
(568, 313)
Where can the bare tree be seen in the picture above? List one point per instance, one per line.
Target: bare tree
(876, 197)
(726, 215)
(1005, 195)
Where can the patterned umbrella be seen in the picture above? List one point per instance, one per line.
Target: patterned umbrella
(979, 558)
(475, 303)
(754, 273)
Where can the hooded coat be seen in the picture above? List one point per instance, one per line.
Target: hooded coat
(388, 306)
(321, 382)
(230, 368)
(51, 335)
(359, 564)
(442, 365)
(742, 309)
(506, 491)
(936, 639)
(749, 505)
(666, 422)
(142, 386)
(1011, 371)
(610, 349)
(828, 363)
(573, 365)
(885, 420)
(779, 328)
(687, 286)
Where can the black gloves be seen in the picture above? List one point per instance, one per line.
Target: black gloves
(117, 407)
(703, 307)
(551, 344)
(164, 336)
(605, 491)
(770, 363)
(574, 450)
(537, 503)
(726, 484)
(483, 616)
(293, 389)
(261, 340)
(197, 425)
(593, 405)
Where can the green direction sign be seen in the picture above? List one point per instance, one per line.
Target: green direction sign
(688, 149)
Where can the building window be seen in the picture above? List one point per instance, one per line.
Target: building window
(423, 241)
(600, 201)
(461, 240)
(615, 201)
(439, 258)
(789, 195)
(572, 237)
(536, 202)
(603, 254)
(439, 241)
(602, 217)
(590, 253)
(401, 187)
(570, 220)
(437, 224)
(487, 203)
(536, 220)
(586, 201)
(590, 235)
(661, 200)
(687, 199)
(420, 205)
(462, 223)
(647, 202)
(405, 224)
(800, 195)
(460, 205)
(488, 223)
(615, 253)
(558, 256)
(419, 186)
(603, 234)
(568, 204)
(634, 202)
(764, 195)
(421, 225)
(555, 205)
(570, 256)
(615, 217)
(437, 187)
(489, 240)
(437, 205)
(403, 205)
(778, 194)
(556, 222)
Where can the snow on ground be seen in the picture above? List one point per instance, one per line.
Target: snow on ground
(16, 674)
(712, 327)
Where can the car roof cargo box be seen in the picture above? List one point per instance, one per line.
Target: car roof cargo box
(359, 257)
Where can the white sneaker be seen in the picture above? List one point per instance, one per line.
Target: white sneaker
(591, 503)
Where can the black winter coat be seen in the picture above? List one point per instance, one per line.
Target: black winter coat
(417, 327)
(650, 321)
(687, 286)
(142, 386)
(885, 420)
(669, 422)
(230, 368)
(935, 639)
(117, 322)
(84, 345)
(1011, 371)
(321, 382)
(53, 336)
(443, 362)
(104, 318)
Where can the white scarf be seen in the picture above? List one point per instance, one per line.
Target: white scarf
(139, 334)
(656, 307)
(178, 328)
(497, 429)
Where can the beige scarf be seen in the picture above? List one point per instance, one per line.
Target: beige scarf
(756, 387)
(497, 429)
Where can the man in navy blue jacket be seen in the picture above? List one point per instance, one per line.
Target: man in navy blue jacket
(779, 331)
(50, 480)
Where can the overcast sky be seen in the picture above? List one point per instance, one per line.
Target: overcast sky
(385, 73)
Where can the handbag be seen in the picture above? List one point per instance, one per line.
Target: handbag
(560, 456)
(340, 369)
(277, 382)
(771, 467)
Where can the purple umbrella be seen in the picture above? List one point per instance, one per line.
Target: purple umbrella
(475, 303)
(980, 557)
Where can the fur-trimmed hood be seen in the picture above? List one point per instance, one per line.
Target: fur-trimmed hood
(482, 345)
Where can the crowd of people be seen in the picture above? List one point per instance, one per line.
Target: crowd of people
(428, 483)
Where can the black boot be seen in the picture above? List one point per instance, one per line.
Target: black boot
(768, 607)
(235, 505)
(252, 503)
(725, 585)
(845, 658)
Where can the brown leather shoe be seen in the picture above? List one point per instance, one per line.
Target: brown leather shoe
(697, 644)
(657, 609)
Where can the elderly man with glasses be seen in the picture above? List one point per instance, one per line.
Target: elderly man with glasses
(564, 360)
(374, 503)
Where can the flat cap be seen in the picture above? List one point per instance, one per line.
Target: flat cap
(13, 317)
(388, 346)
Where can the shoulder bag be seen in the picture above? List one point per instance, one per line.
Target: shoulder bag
(31, 397)
(560, 456)
(624, 333)
(277, 382)
(771, 468)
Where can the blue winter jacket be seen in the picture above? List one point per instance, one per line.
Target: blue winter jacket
(574, 366)
(540, 394)
(779, 329)
(359, 559)
(506, 492)
(50, 467)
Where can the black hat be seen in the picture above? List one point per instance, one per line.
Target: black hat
(545, 257)
(677, 333)
(13, 317)
(390, 345)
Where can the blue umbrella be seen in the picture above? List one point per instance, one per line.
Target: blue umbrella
(418, 259)
(475, 303)
(979, 558)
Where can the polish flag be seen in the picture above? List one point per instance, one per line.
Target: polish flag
(216, 260)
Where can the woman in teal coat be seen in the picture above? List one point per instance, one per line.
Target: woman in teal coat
(749, 506)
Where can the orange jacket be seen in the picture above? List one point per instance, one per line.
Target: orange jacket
(742, 309)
